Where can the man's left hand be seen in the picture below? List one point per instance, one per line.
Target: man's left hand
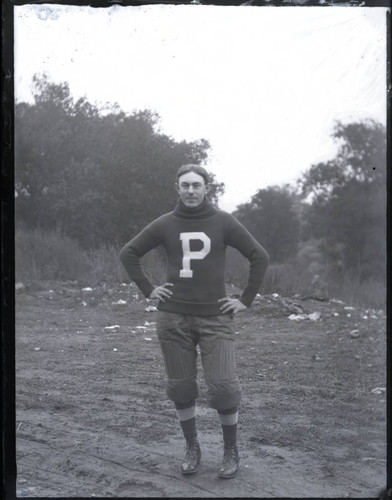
(232, 306)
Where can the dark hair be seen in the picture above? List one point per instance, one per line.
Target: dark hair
(193, 168)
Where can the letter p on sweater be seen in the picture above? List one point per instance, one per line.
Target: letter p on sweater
(189, 255)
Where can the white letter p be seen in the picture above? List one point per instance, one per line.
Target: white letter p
(188, 255)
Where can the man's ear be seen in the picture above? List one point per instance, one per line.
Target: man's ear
(176, 187)
(208, 188)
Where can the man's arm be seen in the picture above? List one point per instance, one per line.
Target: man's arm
(134, 250)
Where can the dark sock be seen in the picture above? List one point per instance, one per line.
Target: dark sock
(229, 429)
(188, 425)
(229, 433)
(189, 428)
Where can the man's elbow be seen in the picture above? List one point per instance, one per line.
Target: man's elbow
(125, 253)
(263, 256)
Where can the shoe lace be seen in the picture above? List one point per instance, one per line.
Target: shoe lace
(230, 452)
(192, 451)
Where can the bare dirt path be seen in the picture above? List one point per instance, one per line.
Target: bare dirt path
(93, 419)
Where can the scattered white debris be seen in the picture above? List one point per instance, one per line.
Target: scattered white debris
(19, 286)
(301, 317)
(336, 301)
(365, 316)
(349, 308)
(316, 357)
(147, 338)
(151, 309)
(84, 303)
(113, 328)
(37, 348)
(335, 314)
(275, 295)
(120, 304)
(87, 289)
(378, 390)
(297, 317)
(147, 326)
(114, 349)
(354, 334)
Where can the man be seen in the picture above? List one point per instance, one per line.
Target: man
(193, 307)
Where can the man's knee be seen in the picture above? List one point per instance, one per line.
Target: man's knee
(224, 394)
(182, 390)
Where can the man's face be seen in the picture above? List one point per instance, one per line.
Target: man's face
(192, 189)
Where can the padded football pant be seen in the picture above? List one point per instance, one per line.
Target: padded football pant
(179, 334)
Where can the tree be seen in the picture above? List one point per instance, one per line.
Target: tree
(347, 199)
(272, 217)
(96, 176)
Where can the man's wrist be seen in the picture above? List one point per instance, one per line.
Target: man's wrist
(246, 302)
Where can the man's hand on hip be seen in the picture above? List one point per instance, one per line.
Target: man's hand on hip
(232, 306)
(161, 292)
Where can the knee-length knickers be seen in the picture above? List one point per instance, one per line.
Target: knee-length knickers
(179, 335)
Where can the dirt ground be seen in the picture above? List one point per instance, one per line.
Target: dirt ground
(93, 419)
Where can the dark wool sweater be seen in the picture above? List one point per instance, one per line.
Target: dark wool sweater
(195, 240)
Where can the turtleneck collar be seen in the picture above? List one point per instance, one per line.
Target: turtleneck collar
(205, 209)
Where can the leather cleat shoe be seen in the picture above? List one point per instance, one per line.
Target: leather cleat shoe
(191, 461)
(231, 460)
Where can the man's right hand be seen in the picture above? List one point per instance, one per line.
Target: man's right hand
(161, 292)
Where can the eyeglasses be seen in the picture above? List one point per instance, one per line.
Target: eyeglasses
(196, 186)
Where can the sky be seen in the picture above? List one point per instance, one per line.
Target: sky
(264, 85)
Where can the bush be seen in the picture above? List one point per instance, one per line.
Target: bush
(48, 256)
(287, 280)
(41, 255)
(370, 293)
(298, 277)
(105, 266)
